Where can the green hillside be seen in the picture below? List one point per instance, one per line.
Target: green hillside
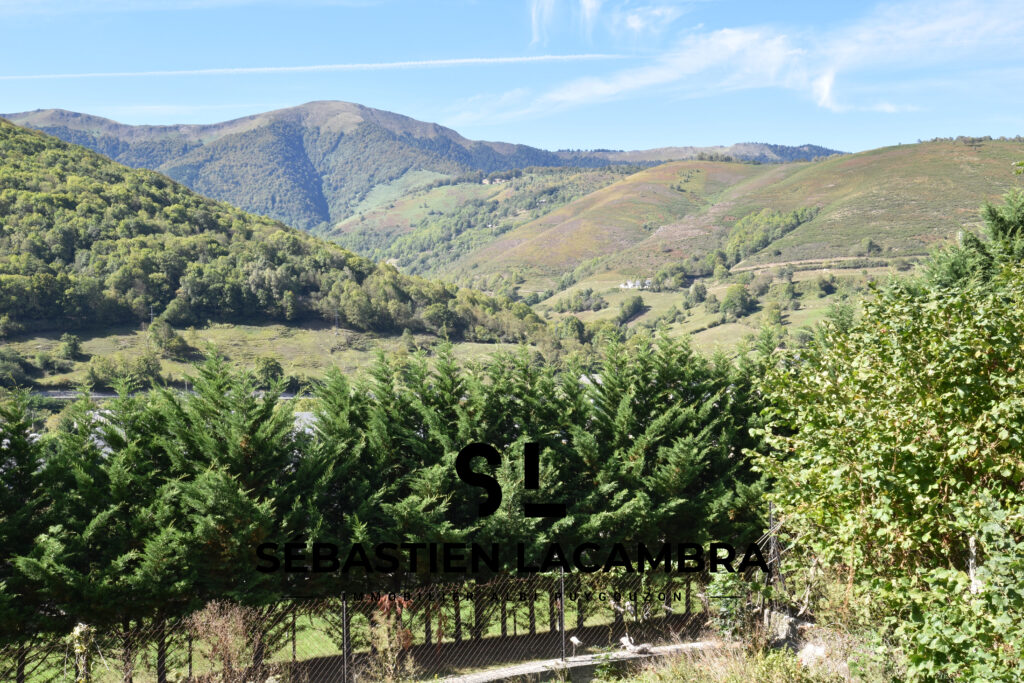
(902, 199)
(608, 221)
(321, 162)
(307, 166)
(86, 243)
(424, 231)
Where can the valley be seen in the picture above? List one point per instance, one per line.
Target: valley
(504, 245)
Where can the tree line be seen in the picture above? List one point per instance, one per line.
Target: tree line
(87, 242)
(151, 504)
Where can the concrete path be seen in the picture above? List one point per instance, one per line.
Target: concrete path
(547, 666)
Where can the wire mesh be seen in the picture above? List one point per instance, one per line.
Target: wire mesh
(423, 633)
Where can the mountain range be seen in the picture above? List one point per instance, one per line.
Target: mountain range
(313, 165)
(87, 242)
(493, 214)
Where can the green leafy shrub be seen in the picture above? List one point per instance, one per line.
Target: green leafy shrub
(897, 462)
(14, 369)
(70, 346)
(737, 301)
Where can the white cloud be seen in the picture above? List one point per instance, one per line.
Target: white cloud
(739, 57)
(651, 19)
(898, 39)
(542, 12)
(589, 10)
(370, 66)
(926, 33)
(822, 89)
(889, 108)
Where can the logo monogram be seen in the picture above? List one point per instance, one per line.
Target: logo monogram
(531, 474)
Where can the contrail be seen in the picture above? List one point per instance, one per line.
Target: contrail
(371, 66)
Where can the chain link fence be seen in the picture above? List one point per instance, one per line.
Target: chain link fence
(429, 632)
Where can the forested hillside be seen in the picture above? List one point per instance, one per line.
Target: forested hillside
(85, 242)
(306, 165)
(424, 232)
(313, 165)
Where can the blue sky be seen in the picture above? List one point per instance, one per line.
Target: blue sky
(620, 74)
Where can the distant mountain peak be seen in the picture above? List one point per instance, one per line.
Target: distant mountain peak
(311, 164)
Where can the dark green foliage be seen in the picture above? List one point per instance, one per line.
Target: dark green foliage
(974, 259)
(20, 521)
(236, 457)
(168, 341)
(571, 327)
(678, 275)
(1005, 224)
(84, 241)
(70, 346)
(755, 231)
(155, 503)
(868, 247)
(582, 300)
(14, 369)
(737, 301)
(629, 309)
(9, 327)
(698, 292)
(104, 372)
(267, 371)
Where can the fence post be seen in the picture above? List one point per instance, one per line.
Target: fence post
(561, 607)
(426, 623)
(127, 658)
(82, 640)
(346, 649)
(161, 651)
(458, 614)
(22, 661)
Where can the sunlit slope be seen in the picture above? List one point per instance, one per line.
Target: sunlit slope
(402, 212)
(426, 230)
(612, 219)
(904, 199)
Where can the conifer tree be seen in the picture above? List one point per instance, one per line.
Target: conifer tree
(20, 517)
(663, 447)
(235, 453)
(414, 479)
(342, 481)
(74, 492)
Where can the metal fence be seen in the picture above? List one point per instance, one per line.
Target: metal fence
(427, 632)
